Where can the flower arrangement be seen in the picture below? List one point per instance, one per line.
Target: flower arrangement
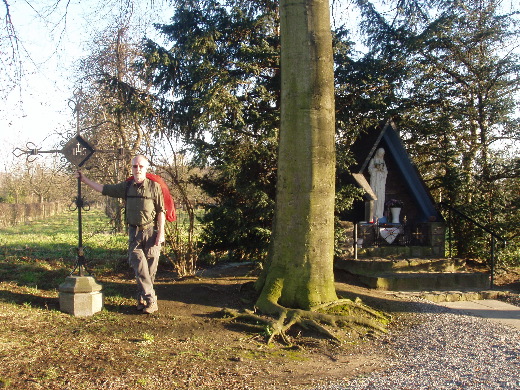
(394, 203)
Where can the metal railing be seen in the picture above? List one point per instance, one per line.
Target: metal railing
(494, 236)
(402, 234)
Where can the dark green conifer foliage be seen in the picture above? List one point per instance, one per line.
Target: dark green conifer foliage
(457, 107)
(219, 84)
(440, 69)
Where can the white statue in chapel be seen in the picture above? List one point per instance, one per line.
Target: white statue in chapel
(378, 173)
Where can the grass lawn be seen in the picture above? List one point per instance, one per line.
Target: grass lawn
(40, 253)
(187, 344)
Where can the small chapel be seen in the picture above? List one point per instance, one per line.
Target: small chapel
(395, 236)
(397, 210)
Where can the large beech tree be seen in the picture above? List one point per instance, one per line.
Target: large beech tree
(297, 285)
(299, 272)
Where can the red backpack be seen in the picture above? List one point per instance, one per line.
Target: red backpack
(169, 204)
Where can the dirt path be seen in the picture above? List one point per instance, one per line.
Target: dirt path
(186, 345)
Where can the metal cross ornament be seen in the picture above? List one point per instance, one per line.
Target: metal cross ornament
(77, 151)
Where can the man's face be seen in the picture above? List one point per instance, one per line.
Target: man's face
(139, 167)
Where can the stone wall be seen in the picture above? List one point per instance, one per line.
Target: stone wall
(13, 214)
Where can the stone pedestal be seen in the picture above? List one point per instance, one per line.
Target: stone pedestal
(437, 234)
(80, 296)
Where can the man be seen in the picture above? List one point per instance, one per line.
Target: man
(145, 215)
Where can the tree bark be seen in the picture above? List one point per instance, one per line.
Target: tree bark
(299, 270)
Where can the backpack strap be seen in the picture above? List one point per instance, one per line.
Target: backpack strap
(128, 184)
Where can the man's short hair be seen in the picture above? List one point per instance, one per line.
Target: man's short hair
(142, 157)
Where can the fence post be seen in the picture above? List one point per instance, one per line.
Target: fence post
(450, 222)
(492, 278)
(355, 240)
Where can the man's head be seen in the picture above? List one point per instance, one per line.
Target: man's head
(139, 167)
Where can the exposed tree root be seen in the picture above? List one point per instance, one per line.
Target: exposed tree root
(357, 304)
(319, 319)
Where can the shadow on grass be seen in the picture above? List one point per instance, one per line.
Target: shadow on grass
(51, 303)
(201, 298)
(33, 283)
(36, 301)
(36, 285)
(32, 275)
(59, 252)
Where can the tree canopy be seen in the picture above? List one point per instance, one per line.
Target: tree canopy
(219, 89)
(445, 71)
(458, 105)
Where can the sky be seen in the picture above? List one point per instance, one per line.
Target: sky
(52, 37)
(51, 41)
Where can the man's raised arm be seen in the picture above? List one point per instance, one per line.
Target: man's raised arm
(92, 184)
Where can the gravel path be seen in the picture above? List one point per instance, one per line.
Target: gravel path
(447, 351)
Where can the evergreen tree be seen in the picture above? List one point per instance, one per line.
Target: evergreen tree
(222, 80)
(225, 101)
(466, 80)
(457, 101)
(435, 67)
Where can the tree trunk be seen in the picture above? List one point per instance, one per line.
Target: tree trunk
(299, 270)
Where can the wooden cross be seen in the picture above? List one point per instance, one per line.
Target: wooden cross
(418, 235)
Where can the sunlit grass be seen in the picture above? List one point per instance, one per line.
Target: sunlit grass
(39, 252)
(57, 238)
(39, 255)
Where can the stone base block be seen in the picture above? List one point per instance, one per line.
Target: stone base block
(427, 281)
(81, 304)
(80, 296)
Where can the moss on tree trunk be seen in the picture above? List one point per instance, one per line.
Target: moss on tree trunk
(299, 271)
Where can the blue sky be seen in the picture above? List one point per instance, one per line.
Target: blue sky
(50, 45)
(51, 41)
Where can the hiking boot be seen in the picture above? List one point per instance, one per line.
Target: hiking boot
(151, 308)
(141, 304)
